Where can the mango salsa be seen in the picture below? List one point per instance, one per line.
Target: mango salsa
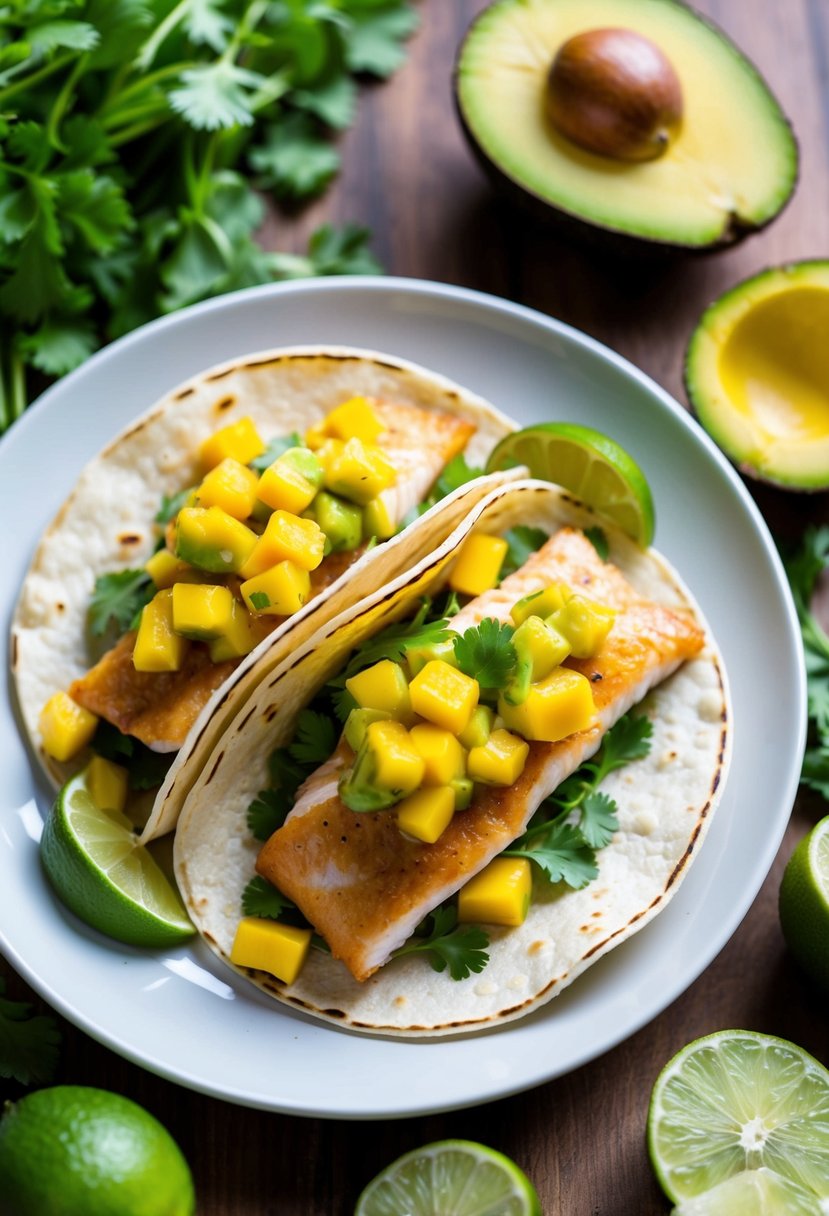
(378, 520)
(164, 568)
(354, 419)
(286, 538)
(267, 945)
(500, 761)
(238, 637)
(213, 540)
(231, 486)
(540, 603)
(382, 686)
(157, 645)
(241, 441)
(555, 708)
(478, 564)
(427, 813)
(107, 784)
(499, 895)
(395, 763)
(584, 623)
(442, 754)
(201, 611)
(280, 591)
(359, 472)
(444, 695)
(65, 727)
(290, 483)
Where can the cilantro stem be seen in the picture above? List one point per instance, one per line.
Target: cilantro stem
(137, 130)
(62, 101)
(26, 82)
(147, 51)
(109, 112)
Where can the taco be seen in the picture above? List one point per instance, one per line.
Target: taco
(476, 726)
(226, 525)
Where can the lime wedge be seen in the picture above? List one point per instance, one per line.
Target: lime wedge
(753, 1193)
(99, 870)
(737, 1101)
(804, 903)
(590, 465)
(454, 1178)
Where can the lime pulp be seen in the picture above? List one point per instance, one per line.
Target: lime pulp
(454, 1178)
(753, 1193)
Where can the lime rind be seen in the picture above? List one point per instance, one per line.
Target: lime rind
(453, 1177)
(804, 903)
(736, 1101)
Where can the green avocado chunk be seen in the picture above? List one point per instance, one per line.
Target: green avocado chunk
(341, 521)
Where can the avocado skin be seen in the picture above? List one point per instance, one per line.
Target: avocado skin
(592, 234)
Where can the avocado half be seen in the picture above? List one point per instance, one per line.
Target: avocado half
(757, 375)
(729, 170)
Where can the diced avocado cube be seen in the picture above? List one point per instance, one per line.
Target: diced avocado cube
(479, 729)
(386, 769)
(540, 648)
(359, 472)
(378, 520)
(463, 788)
(540, 603)
(418, 656)
(212, 540)
(584, 623)
(341, 521)
(358, 722)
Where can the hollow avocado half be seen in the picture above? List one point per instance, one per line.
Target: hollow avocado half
(729, 170)
(757, 375)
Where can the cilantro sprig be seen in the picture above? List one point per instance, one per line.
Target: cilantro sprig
(463, 949)
(804, 568)
(28, 1043)
(485, 652)
(232, 97)
(118, 599)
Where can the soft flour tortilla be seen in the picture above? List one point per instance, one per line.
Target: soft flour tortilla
(665, 800)
(106, 524)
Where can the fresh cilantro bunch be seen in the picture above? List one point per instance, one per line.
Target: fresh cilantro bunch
(28, 1044)
(133, 137)
(804, 568)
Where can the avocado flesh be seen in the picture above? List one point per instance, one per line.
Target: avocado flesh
(731, 168)
(757, 375)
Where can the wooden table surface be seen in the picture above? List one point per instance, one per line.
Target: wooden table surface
(409, 176)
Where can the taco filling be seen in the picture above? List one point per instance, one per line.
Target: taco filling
(449, 751)
(268, 528)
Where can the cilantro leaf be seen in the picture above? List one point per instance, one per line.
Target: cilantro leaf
(28, 1044)
(275, 449)
(330, 251)
(268, 811)
(598, 820)
(314, 739)
(118, 598)
(262, 898)
(295, 160)
(393, 642)
(171, 504)
(260, 600)
(562, 854)
(815, 772)
(146, 769)
(463, 950)
(486, 652)
(455, 474)
(804, 567)
(375, 43)
(627, 740)
(522, 541)
(212, 96)
(59, 345)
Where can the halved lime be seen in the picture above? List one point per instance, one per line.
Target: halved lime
(450, 1178)
(592, 466)
(753, 1193)
(737, 1101)
(98, 869)
(804, 903)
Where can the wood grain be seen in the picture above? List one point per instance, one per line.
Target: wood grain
(409, 176)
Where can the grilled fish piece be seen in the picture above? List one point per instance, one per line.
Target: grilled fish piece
(362, 884)
(160, 709)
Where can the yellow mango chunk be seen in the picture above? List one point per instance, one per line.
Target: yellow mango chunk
(280, 591)
(286, 538)
(382, 686)
(316, 435)
(478, 564)
(164, 568)
(201, 611)
(499, 895)
(500, 761)
(238, 637)
(395, 762)
(444, 695)
(213, 540)
(266, 945)
(442, 754)
(65, 727)
(232, 486)
(354, 419)
(378, 520)
(240, 441)
(555, 708)
(359, 472)
(291, 482)
(327, 450)
(107, 784)
(157, 645)
(584, 623)
(426, 814)
(540, 603)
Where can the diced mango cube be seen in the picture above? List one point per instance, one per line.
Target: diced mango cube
(500, 761)
(280, 591)
(201, 611)
(427, 813)
(541, 645)
(65, 727)
(358, 722)
(480, 727)
(382, 686)
(354, 419)
(286, 538)
(359, 472)
(444, 695)
(442, 754)
(378, 520)
(232, 486)
(499, 895)
(290, 483)
(240, 440)
(478, 564)
(157, 645)
(316, 435)
(107, 784)
(237, 639)
(540, 603)
(213, 540)
(555, 708)
(585, 624)
(327, 451)
(395, 762)
(164, 568)
(267, 945)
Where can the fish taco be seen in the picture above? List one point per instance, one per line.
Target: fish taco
(471, 786)
(223, 527)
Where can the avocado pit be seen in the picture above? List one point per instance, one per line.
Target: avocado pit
(614, 93)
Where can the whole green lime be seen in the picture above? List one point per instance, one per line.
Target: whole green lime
(76, 1151)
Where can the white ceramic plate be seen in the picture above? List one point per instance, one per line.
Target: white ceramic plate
(184, 1017)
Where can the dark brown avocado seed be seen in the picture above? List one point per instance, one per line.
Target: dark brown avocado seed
(615, 93)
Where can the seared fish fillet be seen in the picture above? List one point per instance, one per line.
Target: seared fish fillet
(160, 709)
(362, 884)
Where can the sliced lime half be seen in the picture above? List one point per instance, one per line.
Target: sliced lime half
(592, 466)
(453, 1178)
(99, 870)
(737, 1101)
(754, 1193)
